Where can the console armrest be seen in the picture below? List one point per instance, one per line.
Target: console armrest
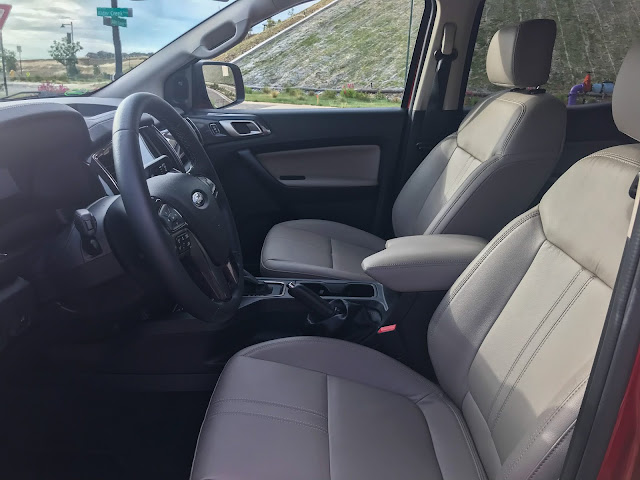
(423, 263)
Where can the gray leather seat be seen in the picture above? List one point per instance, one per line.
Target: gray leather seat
(512, 344)
(474, 182)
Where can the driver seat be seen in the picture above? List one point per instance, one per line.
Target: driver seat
(512, 345)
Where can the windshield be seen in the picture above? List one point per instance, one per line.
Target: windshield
(74, 47)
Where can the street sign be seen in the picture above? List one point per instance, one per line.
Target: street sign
(114, 22)
(115, 12)
(118, 22)
(4, 13)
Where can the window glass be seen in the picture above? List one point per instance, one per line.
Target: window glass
(592, 39)
(74, 47)
(328, 53)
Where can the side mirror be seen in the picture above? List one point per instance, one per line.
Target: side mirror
(217, 85)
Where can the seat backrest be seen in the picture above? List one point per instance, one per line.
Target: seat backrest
(478, 179)
(514, 339)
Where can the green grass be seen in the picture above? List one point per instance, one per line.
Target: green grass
(339, 101)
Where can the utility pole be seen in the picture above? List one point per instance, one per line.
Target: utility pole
(117, 46)
(4, 13)
(4, 67)
(19, 49)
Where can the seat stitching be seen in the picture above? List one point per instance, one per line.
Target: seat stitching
(479, 261)
(426, 422)
(535, 353)
(262, 346)
(271, 417)
(435, 392)
(615, 156)
(249, 400)
(531, 337)
(444, 167)
(421, 264)
(478, 171)
(489, 176)
(513, 129)
(537, 433)
(321, 235)
(464, 170)
(413, 373)
(465, 434)
(206, 414)
(553, 449)
(487, 164)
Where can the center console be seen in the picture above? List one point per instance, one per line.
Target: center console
(389, 313)
(343, 309)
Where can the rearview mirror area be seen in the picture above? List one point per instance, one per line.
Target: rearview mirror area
(217, 85)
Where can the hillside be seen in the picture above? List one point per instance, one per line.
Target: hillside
(593, 35)
(362, 42)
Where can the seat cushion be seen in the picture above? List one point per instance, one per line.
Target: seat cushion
(318, 408)
(317, 249)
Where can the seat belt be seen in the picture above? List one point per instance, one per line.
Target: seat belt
(444, 57)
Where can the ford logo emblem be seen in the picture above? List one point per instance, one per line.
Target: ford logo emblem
(198, 199)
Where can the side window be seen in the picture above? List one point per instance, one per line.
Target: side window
(592, 40)
(328, 53)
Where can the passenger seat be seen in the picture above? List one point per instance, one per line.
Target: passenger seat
(473, 182)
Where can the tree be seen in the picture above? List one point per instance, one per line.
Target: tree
(291, 12)
(270, 23)
(11, 62)
(66, 53)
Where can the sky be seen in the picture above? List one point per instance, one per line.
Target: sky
(35, 24)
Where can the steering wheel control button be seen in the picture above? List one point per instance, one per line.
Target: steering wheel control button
(198, 199)
(183, 243)
(171, 218)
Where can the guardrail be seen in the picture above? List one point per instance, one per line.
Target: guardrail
(318, 89)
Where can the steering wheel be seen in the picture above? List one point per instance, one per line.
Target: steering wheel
(182, 221)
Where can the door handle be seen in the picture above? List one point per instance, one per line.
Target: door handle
(241, 128)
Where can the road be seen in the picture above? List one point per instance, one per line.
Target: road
(17, 87)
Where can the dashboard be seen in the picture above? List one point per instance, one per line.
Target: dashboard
(56, 160)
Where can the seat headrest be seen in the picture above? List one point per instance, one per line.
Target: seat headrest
(626, 105)
(520, 55)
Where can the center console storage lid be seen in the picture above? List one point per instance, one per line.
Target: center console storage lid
(423, 263)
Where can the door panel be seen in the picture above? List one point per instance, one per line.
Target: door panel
(347, 156)
(347, 166)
